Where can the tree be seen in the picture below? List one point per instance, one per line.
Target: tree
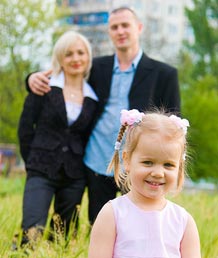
(203, 19)
(25, 41)
(199, 87)
(199, 105)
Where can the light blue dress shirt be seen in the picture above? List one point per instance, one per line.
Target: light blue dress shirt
(100, 147)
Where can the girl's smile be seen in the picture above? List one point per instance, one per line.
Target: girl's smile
(153, 166)
(154, 185)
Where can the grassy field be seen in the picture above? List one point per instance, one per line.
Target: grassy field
(203, 207)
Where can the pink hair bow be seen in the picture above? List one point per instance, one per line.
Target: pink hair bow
(181, 123)
(130, 117)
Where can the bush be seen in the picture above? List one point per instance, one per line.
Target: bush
(200, 106)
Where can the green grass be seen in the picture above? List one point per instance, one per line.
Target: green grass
(203, 207)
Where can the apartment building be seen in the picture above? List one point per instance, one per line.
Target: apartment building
(165, 26)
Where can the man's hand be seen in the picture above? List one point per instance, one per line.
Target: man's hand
(39, 82)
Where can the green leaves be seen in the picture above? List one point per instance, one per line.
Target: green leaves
(200, 102)
(204, 21)
(25, 42)
(199, 87)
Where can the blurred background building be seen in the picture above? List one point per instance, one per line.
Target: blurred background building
(165, 25)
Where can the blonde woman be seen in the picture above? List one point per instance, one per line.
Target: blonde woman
(53, 130)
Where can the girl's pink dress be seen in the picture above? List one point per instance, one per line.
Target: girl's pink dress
(148, 234)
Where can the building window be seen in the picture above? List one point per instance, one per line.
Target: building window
(153, 26)
(172, 10)
(71, 2)
(154, 8)
(172, 29)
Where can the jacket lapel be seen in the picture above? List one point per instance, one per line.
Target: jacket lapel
(57, 99)
(107, 70)
(143, 70)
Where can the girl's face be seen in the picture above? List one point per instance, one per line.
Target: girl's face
(153, 167)
(76, 59)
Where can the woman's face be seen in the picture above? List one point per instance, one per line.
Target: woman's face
(76, 59)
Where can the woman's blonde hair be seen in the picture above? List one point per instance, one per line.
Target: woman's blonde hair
(157, 122)
(62, 45)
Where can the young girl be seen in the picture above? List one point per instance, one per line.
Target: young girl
(143, 223)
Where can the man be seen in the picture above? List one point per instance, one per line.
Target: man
(126, 80)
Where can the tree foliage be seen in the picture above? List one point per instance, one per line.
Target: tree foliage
(200, 102)
(25, 33)
(199, 87)
(204, 21)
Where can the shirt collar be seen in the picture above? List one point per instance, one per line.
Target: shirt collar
(134, 62)
(88, 91)
(58, 81)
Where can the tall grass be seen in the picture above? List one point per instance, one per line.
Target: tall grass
(203, 207)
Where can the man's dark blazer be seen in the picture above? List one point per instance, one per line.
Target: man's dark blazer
(46, 140)
(155, 84)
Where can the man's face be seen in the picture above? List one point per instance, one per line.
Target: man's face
(124, 30)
